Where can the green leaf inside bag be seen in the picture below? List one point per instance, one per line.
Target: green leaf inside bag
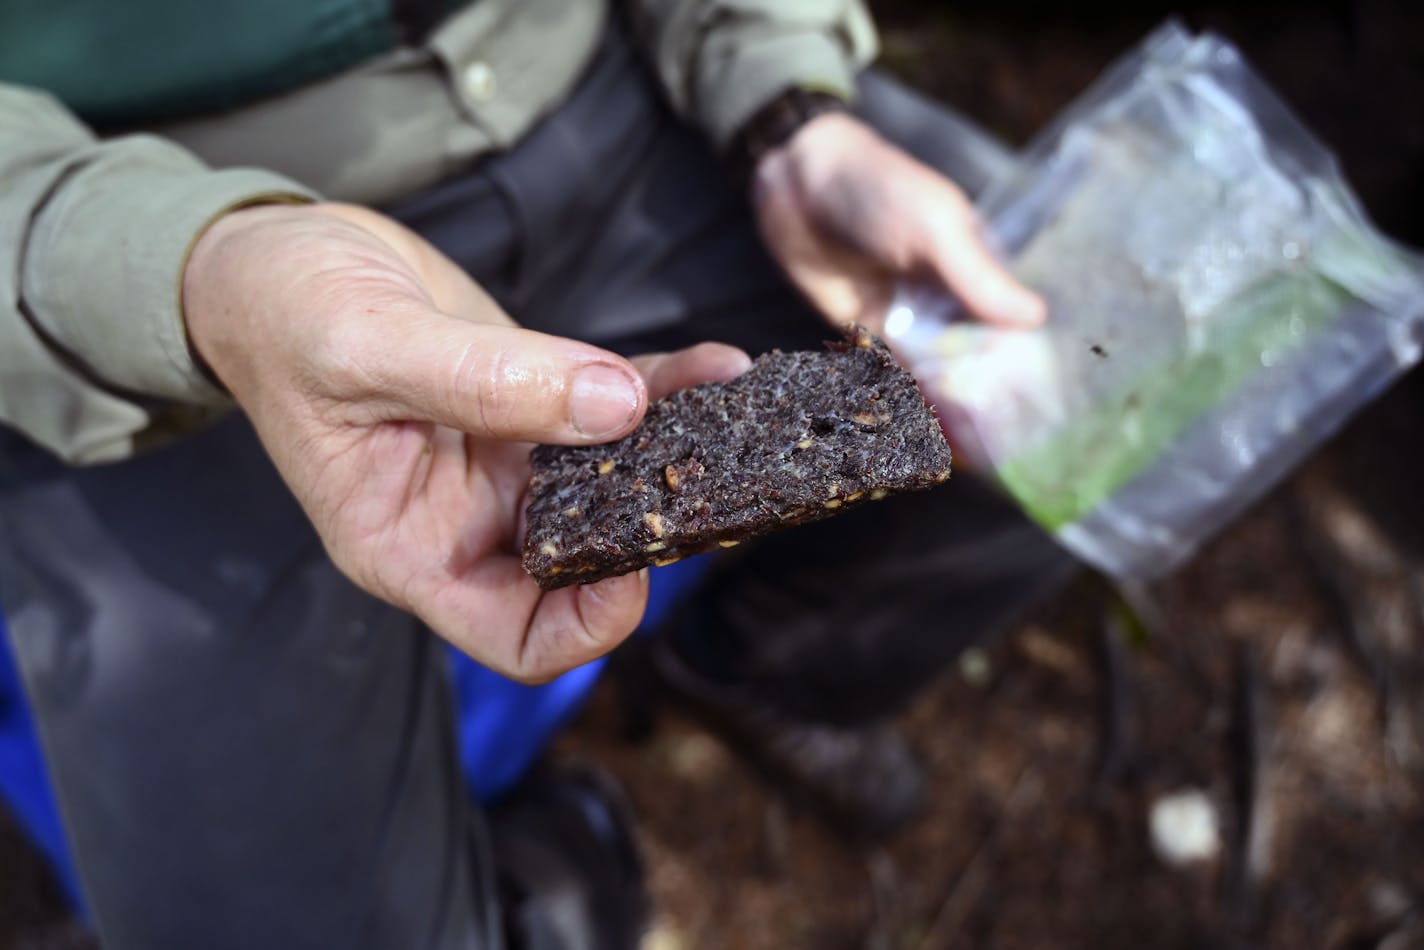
(1073, 471)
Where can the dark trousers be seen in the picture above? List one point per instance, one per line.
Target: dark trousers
(250, 752)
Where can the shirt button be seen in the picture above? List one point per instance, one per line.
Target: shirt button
(478, 81)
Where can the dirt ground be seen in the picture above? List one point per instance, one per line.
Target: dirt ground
(1280, 674)
(1293, 701)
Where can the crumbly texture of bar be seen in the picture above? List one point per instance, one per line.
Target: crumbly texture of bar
(798, 437)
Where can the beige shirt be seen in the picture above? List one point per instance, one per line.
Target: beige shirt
(94, 234)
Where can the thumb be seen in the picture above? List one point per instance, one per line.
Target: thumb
(504, 382)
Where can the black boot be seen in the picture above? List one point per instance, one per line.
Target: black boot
(567, 862)
(863, 781)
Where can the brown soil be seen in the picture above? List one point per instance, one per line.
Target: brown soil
(1295, 703)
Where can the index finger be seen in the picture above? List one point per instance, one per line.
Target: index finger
(704, 363)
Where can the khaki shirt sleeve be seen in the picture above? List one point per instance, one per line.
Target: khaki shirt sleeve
(722, 60)
(93, 240)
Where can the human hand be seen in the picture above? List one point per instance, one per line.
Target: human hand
(397, 401)
(847, 214)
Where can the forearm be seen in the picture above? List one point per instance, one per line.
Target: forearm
(93, 239)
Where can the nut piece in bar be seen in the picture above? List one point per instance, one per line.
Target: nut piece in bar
(799, 436)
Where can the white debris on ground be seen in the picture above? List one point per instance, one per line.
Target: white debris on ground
(975, 667)
(1184, 828)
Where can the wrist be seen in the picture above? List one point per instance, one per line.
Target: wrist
(775, 125)
(208, 288)
(820, 153)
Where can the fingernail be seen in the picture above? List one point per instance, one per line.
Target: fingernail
(604, 399)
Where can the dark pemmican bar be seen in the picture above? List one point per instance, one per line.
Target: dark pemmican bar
(799, 436)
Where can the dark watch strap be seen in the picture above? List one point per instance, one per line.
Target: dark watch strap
(774, 124)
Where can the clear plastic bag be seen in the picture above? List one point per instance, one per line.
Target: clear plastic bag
(1218, 306)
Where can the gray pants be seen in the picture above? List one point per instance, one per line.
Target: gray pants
(250, 752)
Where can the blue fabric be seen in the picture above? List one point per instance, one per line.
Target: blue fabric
(503, 726)
(24, 783)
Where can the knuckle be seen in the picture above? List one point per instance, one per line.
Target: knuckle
(596, 636)
(484, 383)
(547, 661)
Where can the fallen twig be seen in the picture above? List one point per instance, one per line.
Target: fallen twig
(970, 882)
(1249, 756)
